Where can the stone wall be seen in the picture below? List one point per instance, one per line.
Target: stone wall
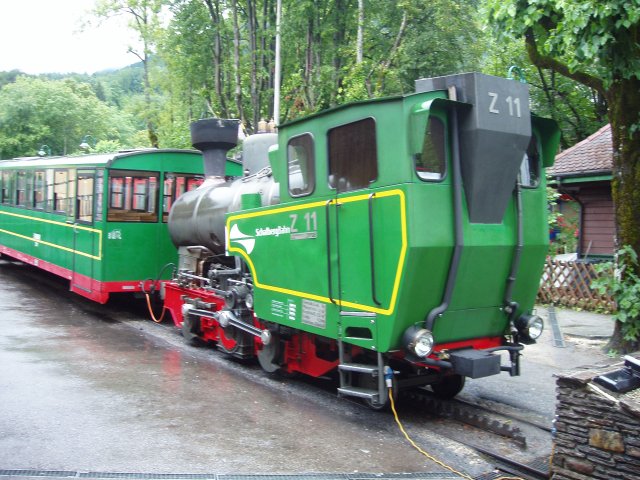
(597, 431)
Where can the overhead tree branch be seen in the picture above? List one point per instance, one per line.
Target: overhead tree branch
(544, 61)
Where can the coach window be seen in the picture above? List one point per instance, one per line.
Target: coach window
(99, 189)
(6, 186)
(39, 190)
(84, 198)
(21, 188)
(64, 183)
(60, 191)
(428, 140)
(530, 167)
(71, 194)
(175, 184)
(301, 165)
(133, 196)
(49, 179)
(353, 157)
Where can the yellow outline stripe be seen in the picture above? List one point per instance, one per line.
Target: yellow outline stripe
(62, 224)
(310, 296)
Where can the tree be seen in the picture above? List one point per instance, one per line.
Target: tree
(144, 20)
(57, 113)
(578, 109)
(598, 45)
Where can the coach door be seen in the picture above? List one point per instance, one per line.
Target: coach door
(87, 239)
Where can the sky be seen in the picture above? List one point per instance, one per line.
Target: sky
(46, 36)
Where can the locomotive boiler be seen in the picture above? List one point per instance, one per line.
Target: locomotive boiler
(402, 236)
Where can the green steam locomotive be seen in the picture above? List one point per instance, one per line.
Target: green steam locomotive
(400, 237)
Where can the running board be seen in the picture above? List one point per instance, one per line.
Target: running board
(362, 380)
(358, 392)
(359, 368)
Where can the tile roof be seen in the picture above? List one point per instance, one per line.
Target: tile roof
(593, 154)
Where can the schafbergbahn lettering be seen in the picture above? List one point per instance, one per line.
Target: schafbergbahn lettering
(272, 232)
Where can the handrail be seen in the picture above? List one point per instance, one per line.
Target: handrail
(330, 276)
(372, 252)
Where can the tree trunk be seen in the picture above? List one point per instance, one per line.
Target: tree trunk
(253, 47)
(308, 68)
(264, 81)
(214, 13)
(151, 131)
(236, 62)
(623, 98)
(360, 37)
(339, 34)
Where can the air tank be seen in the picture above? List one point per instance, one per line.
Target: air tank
(198, 216)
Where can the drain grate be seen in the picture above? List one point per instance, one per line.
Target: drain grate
(197, 476)
(149, 476)
(558, 338)
(37, 473)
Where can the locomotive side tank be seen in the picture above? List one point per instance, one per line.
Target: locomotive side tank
(407, 235)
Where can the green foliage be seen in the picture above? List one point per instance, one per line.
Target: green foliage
(106, 146)
(552, 202)
(35, 111)
(578, 109)
(179, 79)
(583, 34)
(564, 227)
(621, 282)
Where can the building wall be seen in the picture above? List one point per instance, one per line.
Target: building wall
(598, 229)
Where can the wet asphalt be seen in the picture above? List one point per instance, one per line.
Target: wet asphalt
(91, 388)
(81, 391)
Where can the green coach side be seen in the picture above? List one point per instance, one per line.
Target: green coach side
(97, 220)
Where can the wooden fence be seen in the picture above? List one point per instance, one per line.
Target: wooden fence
(568, 284)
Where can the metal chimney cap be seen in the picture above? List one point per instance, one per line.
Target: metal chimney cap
(214, 133)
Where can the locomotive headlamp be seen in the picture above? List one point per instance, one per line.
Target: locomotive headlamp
(530, 328)
(419, 341)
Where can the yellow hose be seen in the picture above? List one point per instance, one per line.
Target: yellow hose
(431, 457)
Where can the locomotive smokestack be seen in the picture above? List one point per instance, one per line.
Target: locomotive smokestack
(214, 137)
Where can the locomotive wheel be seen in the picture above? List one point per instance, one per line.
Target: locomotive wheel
(228, 341)
(448, 387)
(269, 355)
(270, 358)
(190, 329)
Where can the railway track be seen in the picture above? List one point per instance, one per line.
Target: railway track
(510, 432)
(502, 429)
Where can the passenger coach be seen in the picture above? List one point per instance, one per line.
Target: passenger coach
(98, 220)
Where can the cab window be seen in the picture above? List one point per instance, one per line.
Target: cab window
(530, 167)
(428, 140)
(301, 165)
(353, 155)
(133, 196)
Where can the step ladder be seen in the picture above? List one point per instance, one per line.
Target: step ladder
(362, 380)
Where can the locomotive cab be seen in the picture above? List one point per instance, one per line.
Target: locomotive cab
(408, 233)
